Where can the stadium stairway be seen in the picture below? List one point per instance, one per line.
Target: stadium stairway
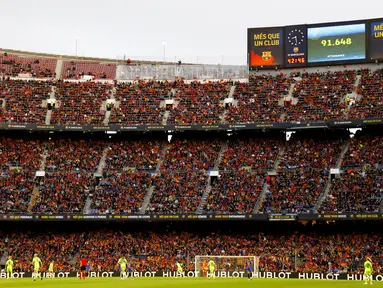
(44, 160)
(324, 195)
(102, 162)
(357, 81)
(113, 94)
(290, 95)
(353, 96)
(165, 118)
(230, 96)
(146, 201)
(103, 107)
(59, 66)
(88, 202)
(100, 168)
(281, 152)
(208, 183)
(150, 191)
(265, 187)
(204, 196)
(48, 117)
(261, 198)
(107, 113)
(36, 188)
(231, 93)
(35, 194)
(344, 151)
(172, 93)
(162, 158)
(220, 155)
(52, 96)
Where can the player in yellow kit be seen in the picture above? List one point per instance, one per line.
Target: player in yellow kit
(122, 263)
(9, 267)
(51, 269)
(367, 271)
(36, 267)
(180, 270)
(211, 265)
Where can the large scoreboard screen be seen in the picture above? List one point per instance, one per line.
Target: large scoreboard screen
(376, 40)
(337, 43)
(266, 47)
(316, 44)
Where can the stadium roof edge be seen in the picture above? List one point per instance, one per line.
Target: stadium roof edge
(77, 58)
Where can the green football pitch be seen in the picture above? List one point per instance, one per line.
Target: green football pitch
(161, 282)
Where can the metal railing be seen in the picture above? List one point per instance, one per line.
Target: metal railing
(188, 72)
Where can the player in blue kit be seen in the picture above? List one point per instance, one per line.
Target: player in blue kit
(249, 269)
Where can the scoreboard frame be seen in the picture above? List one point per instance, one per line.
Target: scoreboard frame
(305, 50)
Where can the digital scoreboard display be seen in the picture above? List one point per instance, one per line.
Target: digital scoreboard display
(309, 45)
(295, 46)
(376, 40)
(336, 43)
(265, 47)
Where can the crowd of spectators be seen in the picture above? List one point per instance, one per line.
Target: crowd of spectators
(12, 65)
(176, 193)
(321, 96)
(80, 103)
(24, 100)
(19, 153)
(257, 154)
(294, 191)
(63, 193)
(15, 191)
(258, 100)
(58, 247)
(370, 91)
(364, 150)
(155, 251)
(189, 155)
(66, 155)
(355, 191)
(199, 103)
(316, 96)
(121, 193)
(316, 153)
(302, 174)
(137, 154)
(78, 69)
(234, 193)
(140, 102)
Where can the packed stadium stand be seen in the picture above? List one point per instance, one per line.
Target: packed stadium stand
(63, 193)
(200, 103)
(121, 193)
(141, 154)
(235, 193)
(80, 103)
(24, 101)
(153, 247)
(292, 173)
(16, 191)
(139, 103)
(370, 95)
(259, 99)
(321, 96)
